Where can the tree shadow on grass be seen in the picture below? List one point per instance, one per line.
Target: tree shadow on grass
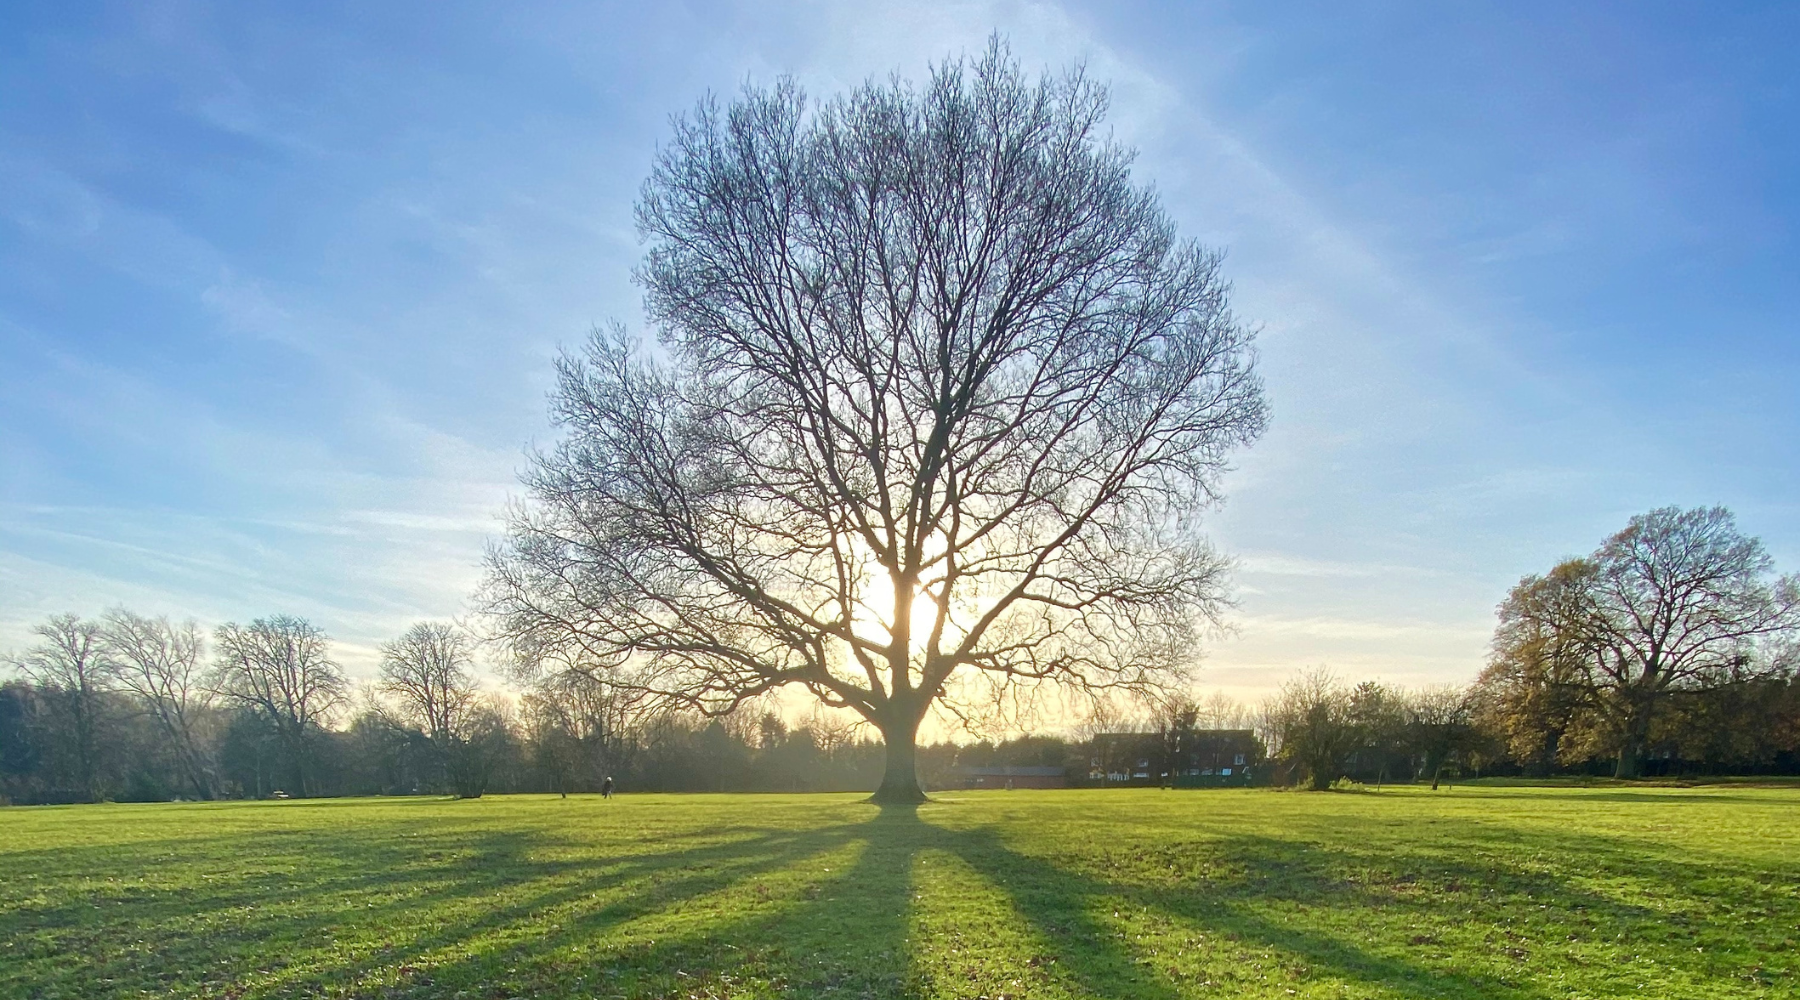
(1689, 796)
(831, 910)
(1098, 957)
(854, 933)
(788, 923)
(378, 902)
(1317, 917)
(535, 928)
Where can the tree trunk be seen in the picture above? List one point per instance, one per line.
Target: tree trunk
(1628, 764)
(297, 747)
(193, 765)
(900, 780)
(1631, 748)
(197, 776)
(1547, 753)
(84, 744)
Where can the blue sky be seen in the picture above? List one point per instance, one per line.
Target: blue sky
(280, 284)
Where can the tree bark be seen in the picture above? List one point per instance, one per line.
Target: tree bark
(1547, 753)
(297, 747)
(1631, 748)
(900, 780)
(1627, 766)
(196, 772)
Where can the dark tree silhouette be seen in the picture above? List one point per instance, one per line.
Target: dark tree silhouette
(73, 673)
(429, 674)
(1311, 723)
(162, 663)
(280, 668)
(941, 394)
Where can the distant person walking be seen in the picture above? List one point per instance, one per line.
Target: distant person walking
(606, 788)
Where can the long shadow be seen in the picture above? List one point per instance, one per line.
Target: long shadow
(1264, 873)
(1095, 957)
(851, 933)
(1657, 795)
(1059, 899)
(846, 936)
(821, 911)
(267, 929)
(842, 935)
(592, 907)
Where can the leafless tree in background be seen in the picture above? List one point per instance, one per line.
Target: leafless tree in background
(427, 671)
(1221, 711)
(163, 664)
(429, 674)
(943, 394)
(72, 668)
(1104, 715)
(1311, 723)
(280, 668)
(587, 725)
(1679, 601)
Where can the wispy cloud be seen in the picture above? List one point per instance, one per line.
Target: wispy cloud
(278, 293)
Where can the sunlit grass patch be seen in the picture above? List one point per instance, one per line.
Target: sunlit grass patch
(1522, 892)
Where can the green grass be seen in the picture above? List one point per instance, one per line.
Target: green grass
(1480, 891)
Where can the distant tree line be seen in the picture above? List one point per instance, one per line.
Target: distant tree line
(1669, 651)
(126, 707)
(131, 708)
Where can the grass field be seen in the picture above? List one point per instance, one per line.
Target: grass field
(1508, 892)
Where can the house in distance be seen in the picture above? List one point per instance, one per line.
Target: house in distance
(1184, 758)
(1010, 777)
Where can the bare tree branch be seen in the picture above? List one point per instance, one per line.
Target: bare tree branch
(941, 391)
(280, 668)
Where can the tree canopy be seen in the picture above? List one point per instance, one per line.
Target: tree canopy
(1676, 603)
(939, 397)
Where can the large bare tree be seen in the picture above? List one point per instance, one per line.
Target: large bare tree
(1678, 601)
(280, 668)
(939, 399)
(163, 664)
